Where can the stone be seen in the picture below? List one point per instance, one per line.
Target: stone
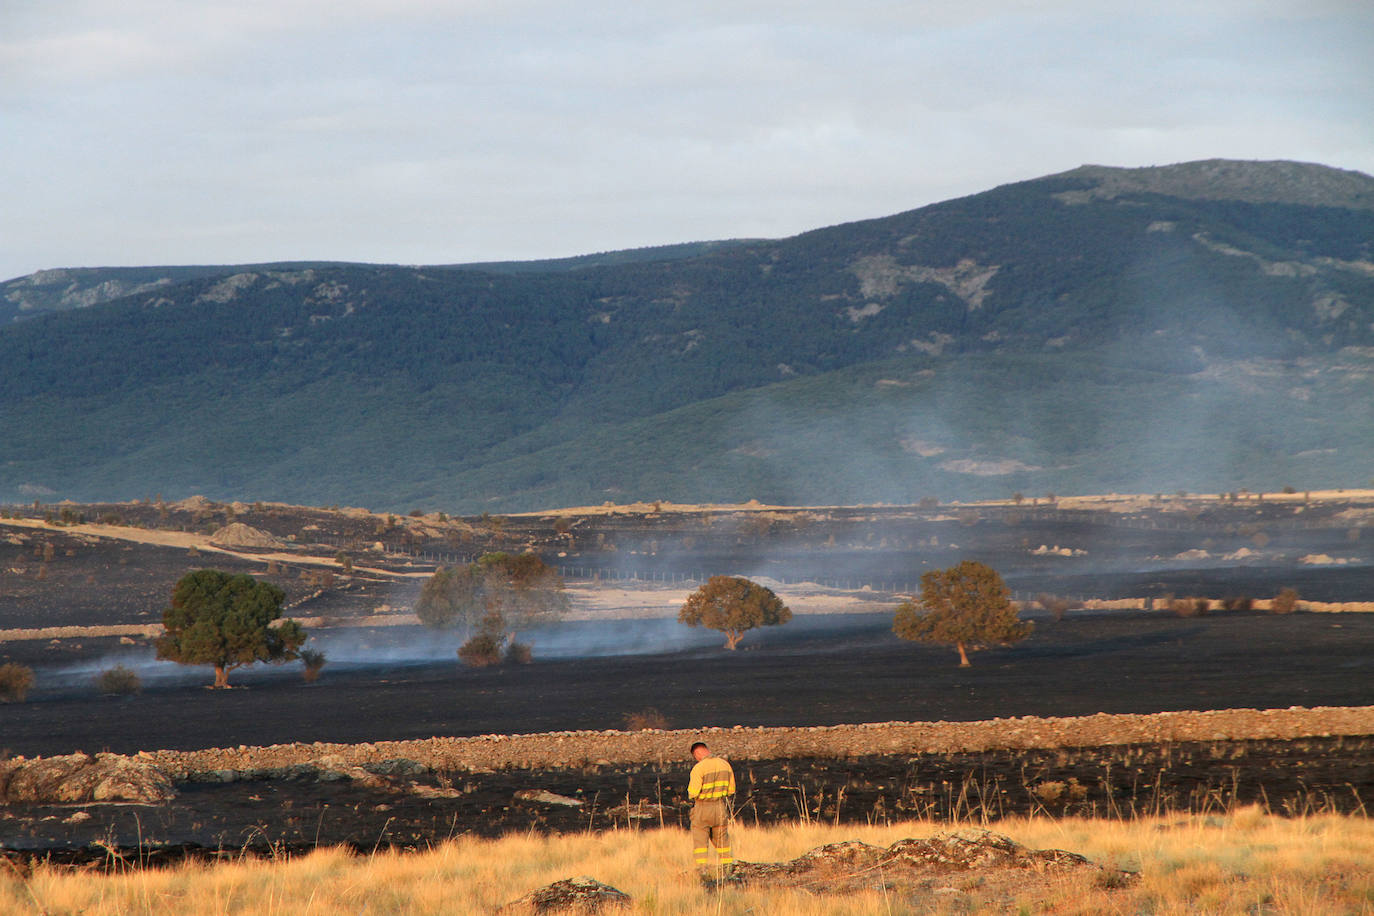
(571, 895)
(545, 797)
(83, 778)
(921, 865)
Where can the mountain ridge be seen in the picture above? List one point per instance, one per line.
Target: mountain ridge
(1009, 339)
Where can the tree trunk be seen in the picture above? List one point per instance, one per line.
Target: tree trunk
(221, 676)
(732, 638)
(963, 656)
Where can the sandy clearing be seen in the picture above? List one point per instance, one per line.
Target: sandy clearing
(620, 601)
(187, 540)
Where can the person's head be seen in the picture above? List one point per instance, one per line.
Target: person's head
(700, 751)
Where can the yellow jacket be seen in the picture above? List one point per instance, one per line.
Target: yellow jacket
(712, 778)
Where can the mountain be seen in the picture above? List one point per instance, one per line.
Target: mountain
(1204, 326)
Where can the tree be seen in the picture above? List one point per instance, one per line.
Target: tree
(967, 606)
(500, 595)
(733, 605)
(1285, 602)
(224, 620)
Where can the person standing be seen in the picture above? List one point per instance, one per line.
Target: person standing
(710, 787)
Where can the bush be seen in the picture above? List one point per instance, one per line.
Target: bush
(119, 681)
(15, 681)
(1285, 602)
(519, 653)
(481, 651)
(1188, 607)
(645, 719)
(1056, 605)
(1238, 603)
(313, 661)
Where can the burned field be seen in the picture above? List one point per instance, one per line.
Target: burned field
(817, 670)
(820, 669)
(413, 808)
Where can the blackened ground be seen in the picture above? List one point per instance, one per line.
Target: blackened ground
(814, 671)
(273, 817)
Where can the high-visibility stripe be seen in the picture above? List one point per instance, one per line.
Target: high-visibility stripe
(715, 789)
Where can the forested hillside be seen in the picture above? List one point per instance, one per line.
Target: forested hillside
(1102, 329)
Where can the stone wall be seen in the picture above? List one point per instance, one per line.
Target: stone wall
(582, 748)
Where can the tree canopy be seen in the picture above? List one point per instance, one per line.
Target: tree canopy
(733, 605)
(966, 606)
(499, 594)
(222, 619)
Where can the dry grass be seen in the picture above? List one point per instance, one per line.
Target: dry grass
(1245, 862)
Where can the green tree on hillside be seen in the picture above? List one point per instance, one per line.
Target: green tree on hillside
(225, 620)
(733, 605)
(966, 606)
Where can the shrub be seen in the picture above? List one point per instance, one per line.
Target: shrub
(1188, 607)
(1238, 603)
(313, 661)
(1056, 605)
(481, 651)
(1285, 602)
(15, 681)
(645, 719)
(119, 681)
(519, 653)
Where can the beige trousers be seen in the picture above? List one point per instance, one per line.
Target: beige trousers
(711, 827)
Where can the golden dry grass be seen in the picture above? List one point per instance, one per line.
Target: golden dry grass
(1247, 862)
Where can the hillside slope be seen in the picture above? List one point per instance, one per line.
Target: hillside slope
(1202, 326)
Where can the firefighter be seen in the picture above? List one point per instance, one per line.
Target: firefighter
(711, 785)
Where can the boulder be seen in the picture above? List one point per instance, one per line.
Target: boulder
(571, 895)
(83, 778)
(545, 797)
(922, 866)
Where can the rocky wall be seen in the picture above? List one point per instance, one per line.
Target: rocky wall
(582, 748)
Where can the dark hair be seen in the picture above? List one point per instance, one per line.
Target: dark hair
(698, 744)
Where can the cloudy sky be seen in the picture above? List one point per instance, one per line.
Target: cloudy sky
(424, 131)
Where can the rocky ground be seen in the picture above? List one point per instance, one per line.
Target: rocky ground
(414, 794)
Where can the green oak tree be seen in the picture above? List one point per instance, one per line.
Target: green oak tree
(733, 605)
(225, 620)
(966, 606)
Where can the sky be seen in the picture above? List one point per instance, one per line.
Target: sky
(421, 132)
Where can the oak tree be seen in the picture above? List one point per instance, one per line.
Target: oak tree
(498, 595)
(966, 606)
(733, 605)
(225, 620)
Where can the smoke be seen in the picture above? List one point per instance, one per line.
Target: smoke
(349, 649)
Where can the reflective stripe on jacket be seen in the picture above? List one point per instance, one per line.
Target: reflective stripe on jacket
(712, 778)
